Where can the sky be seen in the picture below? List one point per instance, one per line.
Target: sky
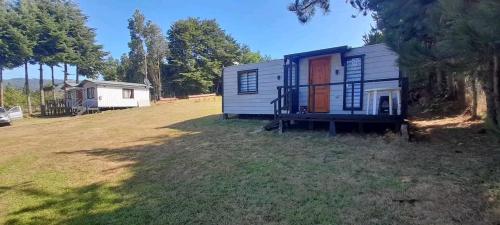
(264, 25)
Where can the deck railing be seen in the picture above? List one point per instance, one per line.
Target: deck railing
(287, 95)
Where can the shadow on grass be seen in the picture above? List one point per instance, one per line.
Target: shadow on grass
(230, 172)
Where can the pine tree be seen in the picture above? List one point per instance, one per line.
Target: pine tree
(137, 55)
(26, 22)
(69, 18)
(157, 51)
(437, 37)
(50, 40)
(375, 36)
(110, 69)
(199, 49)
(13, 45)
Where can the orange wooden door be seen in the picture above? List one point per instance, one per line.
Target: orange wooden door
(319, 96)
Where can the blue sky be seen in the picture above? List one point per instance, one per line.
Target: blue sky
(265, 25)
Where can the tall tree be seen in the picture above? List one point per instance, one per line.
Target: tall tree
(375, 36)
(438, 38)
(13, 44)
(198, 51)
(248, 56)
(26, 22)
(473, 39)
(157, 51)
(110, 69)
(50, 40)
(123, 69)
(71, 21)
(137, 55)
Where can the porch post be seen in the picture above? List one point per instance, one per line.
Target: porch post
(280, 127)
(288, 90)
(390, 102)
(333, 129)
(297, 94)
(369, 93)
(399, 101)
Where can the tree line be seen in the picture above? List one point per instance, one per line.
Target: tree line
(46, 32)
(439, 42)
(187, 60)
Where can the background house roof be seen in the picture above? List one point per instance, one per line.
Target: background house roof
(112, 83)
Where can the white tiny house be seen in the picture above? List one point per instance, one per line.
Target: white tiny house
(334, 84)
(107, 94)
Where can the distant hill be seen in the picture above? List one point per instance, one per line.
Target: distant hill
(33, 83)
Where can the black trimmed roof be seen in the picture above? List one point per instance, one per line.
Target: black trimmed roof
(326, 51)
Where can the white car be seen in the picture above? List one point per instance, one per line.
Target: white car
(6, 116)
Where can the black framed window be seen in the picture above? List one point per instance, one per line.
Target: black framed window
(91, 93)
(353, 92)
(248, 81)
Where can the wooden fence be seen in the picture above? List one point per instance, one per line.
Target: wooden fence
(55, 108)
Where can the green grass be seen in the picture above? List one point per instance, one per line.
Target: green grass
(178, 163)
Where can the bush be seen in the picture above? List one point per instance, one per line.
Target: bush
(17, 97)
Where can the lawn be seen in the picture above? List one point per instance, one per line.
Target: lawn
(178, 163)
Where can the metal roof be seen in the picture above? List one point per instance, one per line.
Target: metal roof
(112, 83)
(326, 51)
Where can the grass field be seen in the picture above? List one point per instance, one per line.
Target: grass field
(178, 163)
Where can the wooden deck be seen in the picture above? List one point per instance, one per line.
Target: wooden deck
(286, 119)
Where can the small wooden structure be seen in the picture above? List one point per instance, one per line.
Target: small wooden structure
(56, 108)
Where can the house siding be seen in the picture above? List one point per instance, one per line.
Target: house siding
(258, 103)
(379, 63)
(89, 102)
(110, 96)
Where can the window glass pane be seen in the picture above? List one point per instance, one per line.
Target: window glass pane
(353, 73)
(247, 81)
(128, 93)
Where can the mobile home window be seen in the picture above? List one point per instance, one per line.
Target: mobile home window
(128, 93)
(353, 92)
(91, 93)
(247, 82)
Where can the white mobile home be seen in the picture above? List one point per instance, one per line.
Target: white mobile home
(107, 94)
(335, 84)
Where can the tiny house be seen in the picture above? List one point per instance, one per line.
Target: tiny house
(97, 94)
(338, 84)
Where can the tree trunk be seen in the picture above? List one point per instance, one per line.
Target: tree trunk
(42, 97)
(430, 82)
(159, 81)
(439, 80)
(77, 78)
(65, 72)
(65, 80)
(27, 88)
(145, 68)
(53, 82)
(491, 111)
(1, 88)
(496, 91)
(474, 96)
(450, 86)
